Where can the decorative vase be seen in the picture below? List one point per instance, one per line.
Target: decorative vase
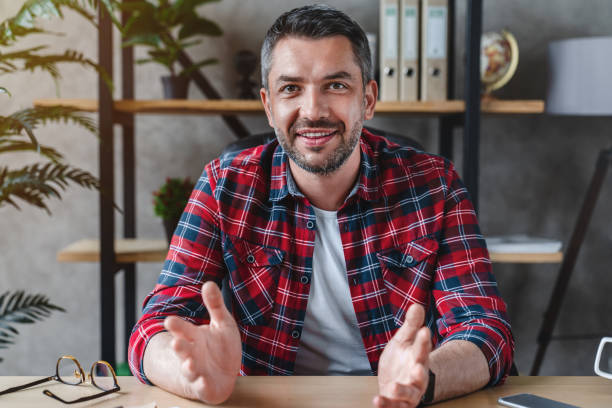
(169, 227)
(175, 87)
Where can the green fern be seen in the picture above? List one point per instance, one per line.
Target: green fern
(24, 24)
(17, 307)
(36, 183)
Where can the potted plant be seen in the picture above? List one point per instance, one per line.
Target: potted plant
(170, 201)
(167, 28)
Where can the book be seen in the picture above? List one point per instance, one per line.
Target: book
(522, 243)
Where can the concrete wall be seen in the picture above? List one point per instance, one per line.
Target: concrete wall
(534, 173)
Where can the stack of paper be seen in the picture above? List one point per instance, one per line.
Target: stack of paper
(522, 244)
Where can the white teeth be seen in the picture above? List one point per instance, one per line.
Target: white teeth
(315, 134)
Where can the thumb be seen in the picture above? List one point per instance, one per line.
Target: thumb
(213, 300)
(415, 317)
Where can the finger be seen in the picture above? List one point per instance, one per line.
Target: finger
(419, 378)
(180, 328)
(410, 393)
(384, 402)
(213, 300)
(199, 387)
(182, 347)
(422, 345)
(188, 370)
(415, 316)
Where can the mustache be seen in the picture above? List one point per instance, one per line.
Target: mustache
(320, 123)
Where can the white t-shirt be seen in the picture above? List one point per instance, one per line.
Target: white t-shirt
(331, 342)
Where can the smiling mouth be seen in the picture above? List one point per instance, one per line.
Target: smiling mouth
(316, 138)
(313, 134)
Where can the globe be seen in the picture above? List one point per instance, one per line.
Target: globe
(498, 59)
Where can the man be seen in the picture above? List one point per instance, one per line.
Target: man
(338, 247)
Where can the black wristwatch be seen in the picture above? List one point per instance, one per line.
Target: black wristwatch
(429, 392)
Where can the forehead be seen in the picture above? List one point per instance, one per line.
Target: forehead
(306, 57)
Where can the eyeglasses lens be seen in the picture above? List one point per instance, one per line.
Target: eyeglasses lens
(103, 377)
(605, 363)
(68, 371)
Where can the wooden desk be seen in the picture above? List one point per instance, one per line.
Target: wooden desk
(309, 392)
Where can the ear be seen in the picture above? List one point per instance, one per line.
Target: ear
(370, 95)
(265, 100)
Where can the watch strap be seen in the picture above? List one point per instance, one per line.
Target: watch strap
(429, 392)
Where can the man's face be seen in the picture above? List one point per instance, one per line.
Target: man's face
(316, 102)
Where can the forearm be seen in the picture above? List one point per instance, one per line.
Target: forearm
(460, 368)
(161, 365)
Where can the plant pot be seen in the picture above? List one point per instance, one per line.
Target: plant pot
(175, 87)
(169, 227)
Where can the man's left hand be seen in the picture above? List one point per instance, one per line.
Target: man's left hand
(404, 364)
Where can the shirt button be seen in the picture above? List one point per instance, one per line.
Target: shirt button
(295, 334)
(310, 225)
(346, 227)
(355, 281)
(409, 259)
(250, 258)
(304, 279)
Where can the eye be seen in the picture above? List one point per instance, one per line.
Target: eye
(337, 86)
(289, 89)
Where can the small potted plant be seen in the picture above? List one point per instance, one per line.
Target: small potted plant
(167, 28)
(170, 201)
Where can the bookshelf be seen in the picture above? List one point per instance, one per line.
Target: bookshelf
(147, 250)
(240, 107)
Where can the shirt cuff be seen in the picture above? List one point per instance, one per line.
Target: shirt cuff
(497, 348)
(142, 333)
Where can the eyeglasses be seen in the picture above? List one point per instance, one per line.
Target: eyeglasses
(69, 371)
(603, 360)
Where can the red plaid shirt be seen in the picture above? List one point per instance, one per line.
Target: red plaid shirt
(409, 234)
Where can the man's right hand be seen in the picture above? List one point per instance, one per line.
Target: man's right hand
(210, 354)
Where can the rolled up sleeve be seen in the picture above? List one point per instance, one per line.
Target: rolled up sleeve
(194, 257)
(465, 291)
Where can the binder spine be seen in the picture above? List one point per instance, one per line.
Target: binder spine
(389, 59)
(409, 50)
(434, 50)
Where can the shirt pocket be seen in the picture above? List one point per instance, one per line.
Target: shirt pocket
(253, 276)
(407, 272)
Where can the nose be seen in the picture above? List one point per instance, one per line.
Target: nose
(314, 104)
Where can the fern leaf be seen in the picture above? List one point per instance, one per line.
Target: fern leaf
(35, 183)
(22, 146)
(17, 308)
(26, 120)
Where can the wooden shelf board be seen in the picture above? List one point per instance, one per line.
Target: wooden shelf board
(146, 250)
(127, 250)
(237, 106)
(547, 257)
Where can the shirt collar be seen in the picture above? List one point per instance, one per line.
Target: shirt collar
(367, 186)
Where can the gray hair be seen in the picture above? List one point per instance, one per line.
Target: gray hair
(317, 21)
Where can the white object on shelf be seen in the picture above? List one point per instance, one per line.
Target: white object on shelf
(522, 243)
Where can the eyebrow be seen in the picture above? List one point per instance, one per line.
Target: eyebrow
(339, 75)
(335, 75)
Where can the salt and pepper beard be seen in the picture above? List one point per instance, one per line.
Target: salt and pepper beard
(336, 158)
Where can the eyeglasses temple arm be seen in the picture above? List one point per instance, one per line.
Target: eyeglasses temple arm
(28, 385)
(52, 395)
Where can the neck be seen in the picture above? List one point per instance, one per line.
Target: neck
(328, 192)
